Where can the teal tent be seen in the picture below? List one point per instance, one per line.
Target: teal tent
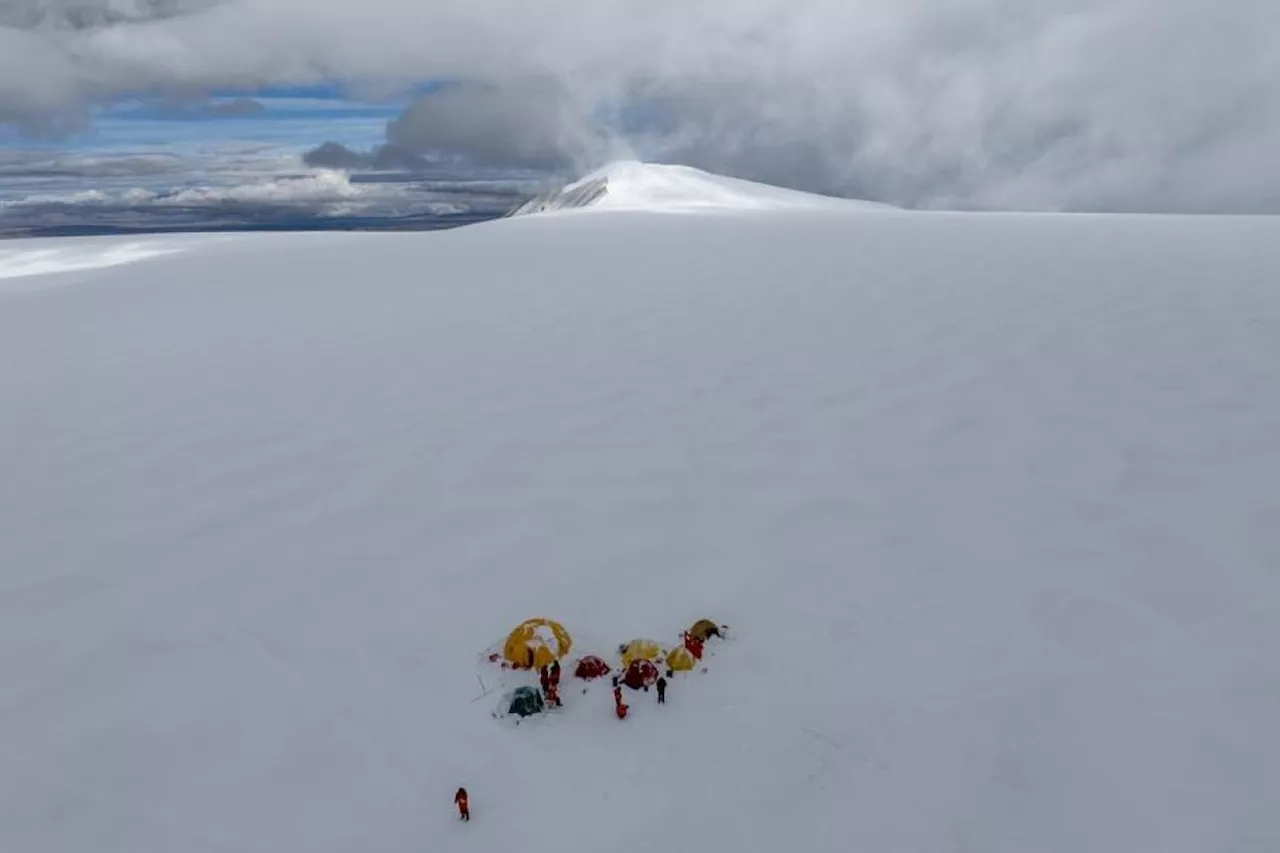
(525, 701)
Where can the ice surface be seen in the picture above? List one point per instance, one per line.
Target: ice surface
(990, 502)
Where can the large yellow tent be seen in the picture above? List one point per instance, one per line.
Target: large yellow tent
(536, 643)
(641, 649)
(681, 659)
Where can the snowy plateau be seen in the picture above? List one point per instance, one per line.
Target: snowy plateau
(991, 503)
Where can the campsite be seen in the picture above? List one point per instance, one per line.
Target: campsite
(537, 644)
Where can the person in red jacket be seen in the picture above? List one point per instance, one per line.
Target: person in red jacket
(460, 798)
(619, 708)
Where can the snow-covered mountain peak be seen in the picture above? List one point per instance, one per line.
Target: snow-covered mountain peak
(633, 185)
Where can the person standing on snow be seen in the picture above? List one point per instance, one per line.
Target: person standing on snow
(619, 708)
(553, 693)
(662, 690)
(460, 798)
(545, 678)
(555, 673)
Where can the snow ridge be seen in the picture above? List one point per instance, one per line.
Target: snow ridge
(632, 185)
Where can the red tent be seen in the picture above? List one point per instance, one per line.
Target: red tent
(641, 673)
(590, 667)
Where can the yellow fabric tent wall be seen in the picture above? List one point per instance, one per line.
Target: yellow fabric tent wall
(547, 639)
(681, 659)
(638, 649)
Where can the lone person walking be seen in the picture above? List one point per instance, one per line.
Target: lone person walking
(460, 798)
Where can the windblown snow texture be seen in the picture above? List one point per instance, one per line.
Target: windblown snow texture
(989, 500)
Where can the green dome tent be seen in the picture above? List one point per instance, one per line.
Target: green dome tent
(525, 701)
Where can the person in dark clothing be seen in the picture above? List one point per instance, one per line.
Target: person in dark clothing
(544, 678)
(662, 690)
(555, 672)
(460, 798)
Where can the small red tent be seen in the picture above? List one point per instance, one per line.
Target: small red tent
(641, 673)
(590, 667)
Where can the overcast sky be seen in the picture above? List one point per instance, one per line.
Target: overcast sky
(1045, 104)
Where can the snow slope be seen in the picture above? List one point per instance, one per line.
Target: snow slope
(23, 259)
(989, 500)
(631, 185)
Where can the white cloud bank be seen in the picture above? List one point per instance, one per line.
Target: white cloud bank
(1080, 104)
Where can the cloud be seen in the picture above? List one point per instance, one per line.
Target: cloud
(233, 108)
(526, 123)
(324, 199)
(59, 192)
(71, 166)
(92, 14)
(333, 155)
(324, 188)
(1080, 104)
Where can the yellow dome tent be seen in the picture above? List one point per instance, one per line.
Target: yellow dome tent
(536, 643)
(704, 628)
(681, 659)
(641, 649)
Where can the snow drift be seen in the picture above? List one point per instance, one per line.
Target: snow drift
(630, 185)
(41, 257)
(989, 502)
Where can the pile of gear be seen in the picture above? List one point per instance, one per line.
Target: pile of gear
(539, 645)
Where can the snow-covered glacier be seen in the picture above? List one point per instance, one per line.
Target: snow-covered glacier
(989, 502)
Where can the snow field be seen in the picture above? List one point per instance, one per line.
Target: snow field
(989, 501)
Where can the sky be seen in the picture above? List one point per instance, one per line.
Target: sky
(1122, 105)
(231, 160)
